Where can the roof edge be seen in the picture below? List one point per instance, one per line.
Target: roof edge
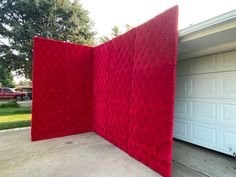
(208, 23)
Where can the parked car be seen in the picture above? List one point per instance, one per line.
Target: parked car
(26, 89)
(9, 93)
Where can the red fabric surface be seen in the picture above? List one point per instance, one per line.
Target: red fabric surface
(120, 84)
(62, 89)
(101, 83)
(123, 90)
(151, 122)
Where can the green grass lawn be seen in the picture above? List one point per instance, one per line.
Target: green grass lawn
(15, 117)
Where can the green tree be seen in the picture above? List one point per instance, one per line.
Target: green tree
(115, 31)
(21, 20)
(103, 39)
(6, 78)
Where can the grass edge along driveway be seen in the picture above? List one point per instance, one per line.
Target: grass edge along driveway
(14, 117)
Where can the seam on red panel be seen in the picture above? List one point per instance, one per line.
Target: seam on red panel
(108, 84)
(92, 96)
(131, 91)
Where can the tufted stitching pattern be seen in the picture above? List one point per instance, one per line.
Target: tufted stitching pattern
(62, 89)
(101, 83)
(151, 122)
(79, 88)
(122, 89)
(120, 83)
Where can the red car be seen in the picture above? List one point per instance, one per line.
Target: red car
(8, 93)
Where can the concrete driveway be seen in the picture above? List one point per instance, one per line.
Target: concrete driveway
(89, 155)
(25, 103)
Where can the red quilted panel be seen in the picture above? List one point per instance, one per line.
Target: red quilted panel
(120, 83)
(122, 89)
(101, 82)
(79, 89)
(151, 123)
(62, 89)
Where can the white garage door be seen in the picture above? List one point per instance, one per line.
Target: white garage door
(205, 104)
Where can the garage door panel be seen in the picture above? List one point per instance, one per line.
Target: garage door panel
(207, 63)
(181, 108)
(228, 112)
(181, 129)
(229, 140)
(207, 110)
(228, 84)
(217, 137)
(202, 134)
(182, 87)
(183, 68)
(229, 59)
(203, 86)
(205, 104)
(203, 110)
(211, 85)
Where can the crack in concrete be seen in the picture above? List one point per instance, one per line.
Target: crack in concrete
(200, 172)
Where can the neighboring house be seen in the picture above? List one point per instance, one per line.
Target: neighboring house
(24, 89)
(205, 104)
